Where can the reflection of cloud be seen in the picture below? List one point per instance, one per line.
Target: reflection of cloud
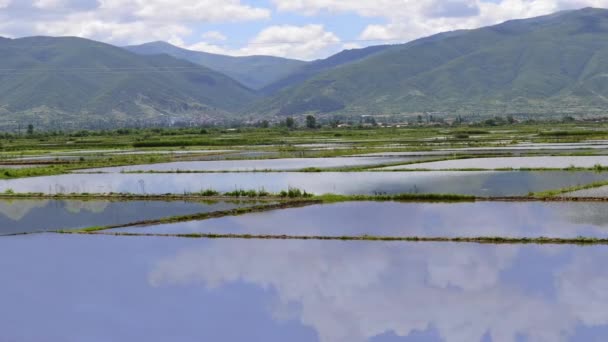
(507, 219)
(16, 210)
(583, 285)
(90, 206)
(355, 291)
(587, 213)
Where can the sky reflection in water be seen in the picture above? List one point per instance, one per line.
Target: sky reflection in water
(505, 219)
(486, 183)
(91, 288)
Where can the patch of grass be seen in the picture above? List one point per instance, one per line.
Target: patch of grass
(570, 133)
(311, 169)
(209, 193)
(557, 192)
(9, 173)
(295, 193)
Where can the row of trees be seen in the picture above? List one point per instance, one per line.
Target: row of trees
(289, 122)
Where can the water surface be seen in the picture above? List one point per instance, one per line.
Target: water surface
(176, 152)
(93, 288)
(259, 164)
(484, 183)
(558, 162)
(505, 219)
(21, 216)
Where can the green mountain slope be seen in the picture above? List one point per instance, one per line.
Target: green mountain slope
(253, 71)
(314, 68)
(49, 80)
(555, 63)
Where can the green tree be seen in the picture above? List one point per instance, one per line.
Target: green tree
(311, 122)
(30, 129)
(568, 119)
(290, 122)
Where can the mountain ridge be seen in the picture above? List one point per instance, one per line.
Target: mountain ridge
(53, 79)
(524, 65)
(256, 71)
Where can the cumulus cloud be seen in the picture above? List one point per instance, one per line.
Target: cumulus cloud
(411, 19)
(121, 21)
(353, 292)
(89, 26)
(292, 41)
(200, 10)
(303, 42)
(180, 21)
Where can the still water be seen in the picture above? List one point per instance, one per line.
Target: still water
(485, 183)
(556, 162)
(260, 164)
(94, 288)
(505, 219)
(21, 216)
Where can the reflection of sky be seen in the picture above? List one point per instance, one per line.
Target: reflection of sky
(39, 215)
(486, 183)
(509, 162)
(85, 288)
(262, 164)
(507, 219)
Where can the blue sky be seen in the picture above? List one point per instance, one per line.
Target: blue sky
(302, 29)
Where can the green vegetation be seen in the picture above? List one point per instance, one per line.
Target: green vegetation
(95, 149)
(550, 65)
(83, 83)
(82, 163)
(31, 172)
(254, 72)
(557, 192)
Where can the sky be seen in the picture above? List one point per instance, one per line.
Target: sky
(300, 29)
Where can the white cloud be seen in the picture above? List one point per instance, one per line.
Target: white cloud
(411, 19)
(349, 46)
(292, 41)
(302, 42)
(49, 4)
(90, 26)
(186, 10)
(122, 21)
(214, 35)
(353, 292)
(180, 21)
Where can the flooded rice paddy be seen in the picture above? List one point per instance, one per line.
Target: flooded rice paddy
(262, 164)
(556, 162)
(35, 215)
(95, 288)
(487, 183)
(597, 192)
(101, 287)
(504, 219)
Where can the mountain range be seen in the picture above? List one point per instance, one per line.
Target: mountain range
(51, 80)
(548, 65)
(554, 63)
(254, 72)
